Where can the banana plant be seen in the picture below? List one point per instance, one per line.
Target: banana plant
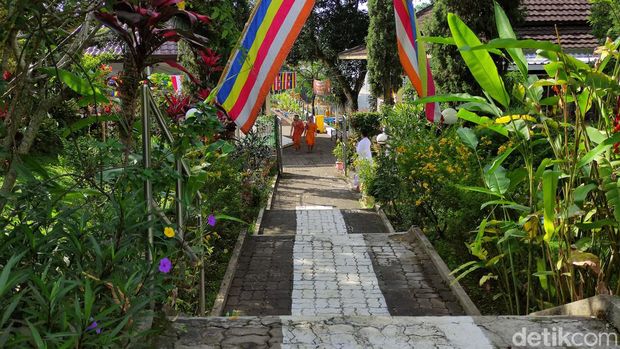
(552, 230)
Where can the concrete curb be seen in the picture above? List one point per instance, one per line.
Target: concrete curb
(385, 220)
(222, 295)
(602, 307)
(466, 303)
(272, 195)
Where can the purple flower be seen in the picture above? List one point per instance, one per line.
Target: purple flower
(94, 326)
(211, 220)
(165, 265)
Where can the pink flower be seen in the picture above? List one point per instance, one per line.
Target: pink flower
(6, 75)
(165, 265)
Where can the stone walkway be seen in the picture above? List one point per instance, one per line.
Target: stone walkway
(321, 273)
(317, 253)
(333, 272)
(384, 332)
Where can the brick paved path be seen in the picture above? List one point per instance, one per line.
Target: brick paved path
(324, 274)
(317, 254)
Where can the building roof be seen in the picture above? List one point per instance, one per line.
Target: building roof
(570, 17)
(167, 51)
(541, 18)
(358, 52)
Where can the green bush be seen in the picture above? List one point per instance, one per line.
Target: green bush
(286, 102)
(74, 270)
(417, 178)
(369, 122)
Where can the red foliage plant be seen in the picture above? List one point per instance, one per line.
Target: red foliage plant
(177, 107)
(211, 60)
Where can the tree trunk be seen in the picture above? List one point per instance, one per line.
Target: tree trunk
(24, 148)
(313, 99)
(129, 93)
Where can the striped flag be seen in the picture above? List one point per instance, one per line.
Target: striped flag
(413, 56)
(265, 42)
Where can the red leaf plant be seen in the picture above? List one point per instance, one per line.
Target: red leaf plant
(4, 111)
(211, 60)
(143, 29)
(177, 107)
(204, 93)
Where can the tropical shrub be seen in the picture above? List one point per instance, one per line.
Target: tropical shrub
(417, 178)
(286, 102)
(550, 229)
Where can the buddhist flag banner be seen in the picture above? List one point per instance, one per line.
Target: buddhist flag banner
(413, 55)
(284, 81)
(253, 66)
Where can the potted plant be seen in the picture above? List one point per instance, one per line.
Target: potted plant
(339, 154)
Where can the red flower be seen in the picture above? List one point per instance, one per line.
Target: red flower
(6, 75)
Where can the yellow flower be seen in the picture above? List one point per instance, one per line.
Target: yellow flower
(501, 149)
(169, 232)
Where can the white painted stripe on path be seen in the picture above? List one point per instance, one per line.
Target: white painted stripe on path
(333, 273)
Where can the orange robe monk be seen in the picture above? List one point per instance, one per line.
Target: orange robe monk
(297, 129)
(310, 133)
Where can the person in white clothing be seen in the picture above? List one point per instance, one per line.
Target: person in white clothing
(363, 147)
(363, 152)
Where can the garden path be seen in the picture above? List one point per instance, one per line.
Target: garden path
(321, 273)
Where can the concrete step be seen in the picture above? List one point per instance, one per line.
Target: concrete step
(278, 223)
(388, 332)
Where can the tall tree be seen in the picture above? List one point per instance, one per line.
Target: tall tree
(449, 72)
(334, 26)
(308, 72)
(32, 38)
(384, 69)
(605, 19)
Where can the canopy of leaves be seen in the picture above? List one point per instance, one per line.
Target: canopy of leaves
(334, 26)
(448, 69)
(605, 19)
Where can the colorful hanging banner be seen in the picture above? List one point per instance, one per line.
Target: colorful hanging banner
(284, 81)
(413, 56)
(252, 68)
(177, 83)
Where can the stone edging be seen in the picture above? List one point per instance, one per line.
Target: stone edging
(466, 303)
(272, 194)
(601, 306)
(222, 295)
(385, 220)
